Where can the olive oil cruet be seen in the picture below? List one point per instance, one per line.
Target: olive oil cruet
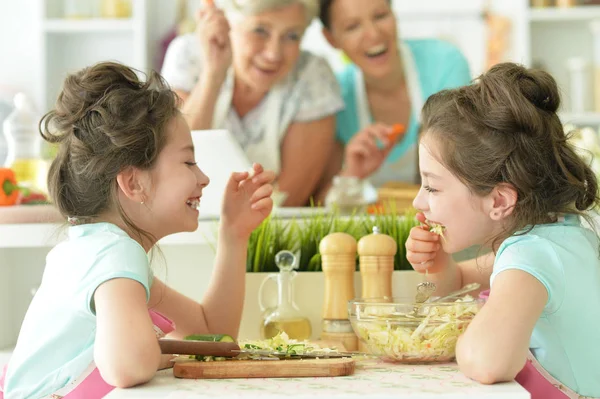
(285, 317)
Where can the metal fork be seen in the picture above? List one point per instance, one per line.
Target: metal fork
(424, 291)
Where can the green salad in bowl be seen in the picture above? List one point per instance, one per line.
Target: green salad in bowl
(399, 330)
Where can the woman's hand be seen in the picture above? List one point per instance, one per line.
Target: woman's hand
(213, 32)
(247, 201)
(424, 250)
(363, 154)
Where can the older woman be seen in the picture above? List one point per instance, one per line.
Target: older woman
(386, 83)
(243, 70)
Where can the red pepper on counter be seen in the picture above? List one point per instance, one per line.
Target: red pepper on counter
(33, 199)
(9, 191)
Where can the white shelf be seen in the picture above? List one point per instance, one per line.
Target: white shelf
(587, 118)
(69, 44)
(558, 14)
(47, 235)
(89, 25)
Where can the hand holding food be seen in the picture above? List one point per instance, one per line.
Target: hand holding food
(367, 151)
(398, 131)
(424, 248)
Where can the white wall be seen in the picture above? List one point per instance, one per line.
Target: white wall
(19, 41)
(18, 47)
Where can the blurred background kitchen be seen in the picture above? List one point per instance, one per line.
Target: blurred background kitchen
(43, 40)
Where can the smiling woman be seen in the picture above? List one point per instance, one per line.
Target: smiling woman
(243, 70)
(386, 83)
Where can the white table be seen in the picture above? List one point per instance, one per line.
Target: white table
(372, 380)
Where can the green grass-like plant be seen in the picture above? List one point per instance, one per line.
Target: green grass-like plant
(304, 235)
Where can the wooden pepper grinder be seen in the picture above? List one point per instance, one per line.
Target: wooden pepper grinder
(338, 259)
(376, 257)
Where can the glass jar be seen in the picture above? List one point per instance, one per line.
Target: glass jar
(346, 195)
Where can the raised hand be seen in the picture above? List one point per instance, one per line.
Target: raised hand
(424, 249)
(213, 32)
(368, 149)
(247, 201)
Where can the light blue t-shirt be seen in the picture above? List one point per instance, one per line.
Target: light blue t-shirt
(56, 342)
(563, 256)
(438, 65)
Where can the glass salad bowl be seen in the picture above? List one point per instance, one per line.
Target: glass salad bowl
(400, 330)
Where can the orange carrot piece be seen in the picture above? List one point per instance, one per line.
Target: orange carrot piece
(398, 130)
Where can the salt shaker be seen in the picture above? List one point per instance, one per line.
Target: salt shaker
(338, 259)
(376, 257)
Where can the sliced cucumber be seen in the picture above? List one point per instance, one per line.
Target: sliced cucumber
(210, 337)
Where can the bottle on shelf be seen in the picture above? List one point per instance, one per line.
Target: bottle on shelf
(566, 3)
(580, 93)
(595, 29)
(24, 155)
(78, 9)
(116, 8)
(540, 3)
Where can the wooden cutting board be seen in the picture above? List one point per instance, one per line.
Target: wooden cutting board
(265, 368)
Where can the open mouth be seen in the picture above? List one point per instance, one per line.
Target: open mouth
(266, 71)
(377, 51)
(193, 203)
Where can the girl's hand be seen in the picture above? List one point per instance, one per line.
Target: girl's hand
(424, 250)
(363, 154)
(213, 32)
(247, 201)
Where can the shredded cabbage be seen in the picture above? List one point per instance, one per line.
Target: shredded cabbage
(430, 336)
(279, 346)
(283, 344)
(437, 228)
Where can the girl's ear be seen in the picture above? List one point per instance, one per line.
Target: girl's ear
(132, 183)
(504, 197)
(329, 37)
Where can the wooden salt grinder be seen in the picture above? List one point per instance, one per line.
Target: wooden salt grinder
(338, 259)
(376, 257)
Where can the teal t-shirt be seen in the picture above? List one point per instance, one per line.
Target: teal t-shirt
(439, 65)
(56, 341)
(564, 257)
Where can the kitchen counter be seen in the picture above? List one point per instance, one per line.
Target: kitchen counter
(372, 379)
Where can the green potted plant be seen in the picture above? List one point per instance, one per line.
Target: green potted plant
(303, 237)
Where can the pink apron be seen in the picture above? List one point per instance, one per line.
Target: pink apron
(90, 385)
(537, 381)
